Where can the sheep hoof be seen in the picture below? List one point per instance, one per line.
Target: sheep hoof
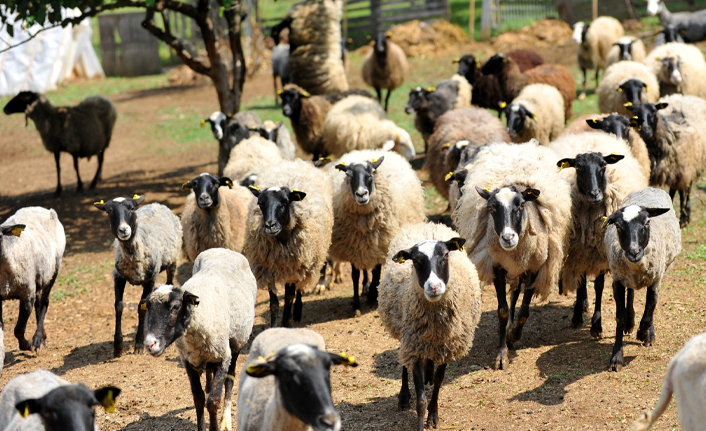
(582, 96)
(502, 361)
(433, 420)
(358, 313)
(338, 279)
(646, 335)
(139, 349)
(597, 328)
(226, 423)
(320, 289)
(616, 362)
(403, 401)
(577, 322)
(24, 345)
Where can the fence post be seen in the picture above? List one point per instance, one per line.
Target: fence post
(472, 19)
(595, 9)
(486, 19)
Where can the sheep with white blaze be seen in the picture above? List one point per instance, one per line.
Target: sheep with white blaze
(594, 43)
(288, 232)
(514, 212)
(642, 240)
(209, 319)
(432, 305)
(43, 401)
(626, 49)
(626, 82)
(376, 193)
(285, 383)
(537, 112)
(32, 244)
(147, 242)
(604, 172)
(679, 67)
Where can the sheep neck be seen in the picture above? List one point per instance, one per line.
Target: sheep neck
(40, 112)
(276, 418)
(512, 80)
(665, 16)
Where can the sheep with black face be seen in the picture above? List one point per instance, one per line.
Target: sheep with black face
(642, 240)
(626, 82)
(626, 49)
(537, 112)
(385, 66)
(679, 67)
(147, 242)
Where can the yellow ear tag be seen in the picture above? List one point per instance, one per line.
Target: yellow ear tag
(620, 90)
(270, 356)
(534, 117)
(350, 360)
(564, 165)
(656, 58)
(595, 120)
(400, 259)
(185, 186)
(100, 202)
(279, 92)
(487, 189)
(109, 402)
(503, 105)
(375, 160)
(143, 306)
(446, 146)
(460, 247)
(305, 93)
(635, 117)
(17, 231)
(26, 412)
(627, 104)
(135, 197)
(431, 89)
(254, 187)
(448, 176)
(229, 183)
(647, 89)
(457, 60)
(605, 221)
(203, 123)
(478, 63)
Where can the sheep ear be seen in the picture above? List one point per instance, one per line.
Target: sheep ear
(484, 193)
(401, 256)
(100, 205)
(654, 212)
(106, 397)
(191, 299)
(187, 186)
(342, 167)
(137, 199)
(28, 407)
(225, 181)
(594, 123)
(455, 244)
(613, 158)
(261, 368)
(565, 163)
(661, 105)
(255, 190)
(296, 195)
(342, 359)
(611, 219)
(15, 229)
(530, 194)
(377, 162)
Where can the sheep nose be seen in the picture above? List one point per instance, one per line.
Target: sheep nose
(509, 236)
(270, 223)
(361, 193)
(595, 195)
(329, 420)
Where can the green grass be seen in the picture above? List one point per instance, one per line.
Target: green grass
(76, 282)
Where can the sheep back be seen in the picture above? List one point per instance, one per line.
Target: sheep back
(24, 387)
(664, 245)
(251, 155)
(547, 104)
(637, 51)
(541, 247)
(611, 100)
(441, 331)
(693, 68)
(309, 127)
(558, 76)
(284, 140)
(390, 75)
(362, 233)
(300, 257)
(602, 33)
(465, 92)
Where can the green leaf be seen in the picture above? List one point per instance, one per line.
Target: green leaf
(150, 3)
(220, 11)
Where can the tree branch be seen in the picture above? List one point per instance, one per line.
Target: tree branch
(32, 36)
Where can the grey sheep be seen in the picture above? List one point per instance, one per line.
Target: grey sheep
(229, 130)
(692, 25)
(30, 261)
(147, 242)
(216, 311)
(642, 239)
(668, 34)
(83, 130)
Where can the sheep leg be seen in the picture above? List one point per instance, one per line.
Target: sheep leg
(379, 93)
(118, 337)
(646, 333)
(337, 274)
(387, 98)
(355, 274)
(274, 305)
(141, 316)
(501, 362)
(583, 87)
(215, 395)
(197, 393)
(581, 304)
(418, 377)
(596, 323)
(26, 306)
(171, 270)
(97, 176)
(298, 307)
(405, 395)
(366, 283)
(321, 285)
(684, 208)
(41, 305)
(687, 205)
(274, 82)
(373, 291)
(428, 372)
(79, 187)
(226, 421)
(209, 379)
(616, 361)
(630, 321)
(289, 292)
(514, 296)
(524, 314)
(57, 192)
(598, 70)
(433, 417)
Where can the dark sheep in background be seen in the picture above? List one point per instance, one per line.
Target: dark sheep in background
(385, 67)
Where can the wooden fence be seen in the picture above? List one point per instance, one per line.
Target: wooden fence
(127, 49)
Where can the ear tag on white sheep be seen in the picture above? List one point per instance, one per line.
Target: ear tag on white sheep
(656, 58)
(448, 176)
(375, 160)
(605, 222)
(487, 189)
(26, 411)
(564, 165)
(534, 117)
(17, 231)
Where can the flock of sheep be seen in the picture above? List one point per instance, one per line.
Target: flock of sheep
(536, 207)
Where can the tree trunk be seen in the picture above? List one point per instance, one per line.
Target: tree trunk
(234, 16)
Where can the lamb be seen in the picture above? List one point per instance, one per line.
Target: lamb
(375, 194)
(279, 403)
(250, 156)
(626, 49)
(359, 123)
(213, 217)
(513, 80)
(280, 66)
(147, 242)
(626, 82)
(594, 42)
(680, 68)
(83, 130)
(229, 130)
(642, 240)
(385, 66)
(433, 307)
(537, 112)
(41, 401)
(459, 128)
(288, 232)
(514, 212)
(32, 244)
(692, 24)
(684, 379)
(668, 34)
(676, 142)
(597, 188)
(215, 312)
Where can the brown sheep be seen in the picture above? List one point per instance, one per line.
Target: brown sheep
(385, 66)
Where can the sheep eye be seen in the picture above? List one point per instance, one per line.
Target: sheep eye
(522, 206)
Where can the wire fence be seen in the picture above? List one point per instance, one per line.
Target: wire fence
(513, 14)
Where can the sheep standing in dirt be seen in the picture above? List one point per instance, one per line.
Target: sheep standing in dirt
(680, 68)
(147, 242)
(209, 319)
(32, 243)
(455, 130)
(229, 130)
(594, 43)
(375, 194)
(537, 112)
(385, 67)
(359, 123)
(626, 49)
(43, 401)
(642, 240)
(288, 232)
(674, 133)
(515, 212)
(513, 80)
(626, 82)
(83, 130)
(285, 383)
(604, 173)
(213, 216)
(430, 301)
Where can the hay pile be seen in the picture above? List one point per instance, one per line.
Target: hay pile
(544, 33)
(417, 38)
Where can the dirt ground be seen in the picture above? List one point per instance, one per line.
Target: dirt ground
(557, 379)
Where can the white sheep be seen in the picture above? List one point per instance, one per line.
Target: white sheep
(375, 194)
(270, 401)
(147, 242)
(429, 300)
(215, 312)
(680, 68)
(626, 82)
(523, 237)
(32, 244)
(629, 48)
(594, 42)
(251, 155)
(642, 240)
(537, 112)
(279, 134)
